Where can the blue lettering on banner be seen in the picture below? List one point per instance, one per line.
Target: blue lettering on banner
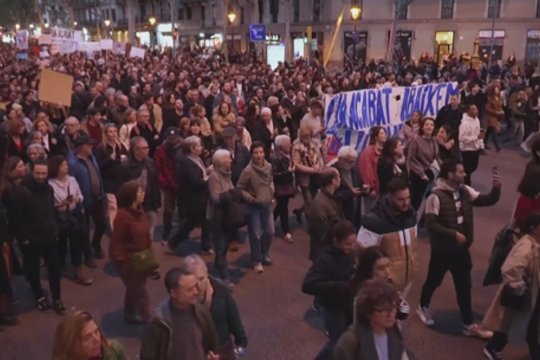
(350, 115)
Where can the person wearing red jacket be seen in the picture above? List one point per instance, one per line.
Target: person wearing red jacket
(164, 162)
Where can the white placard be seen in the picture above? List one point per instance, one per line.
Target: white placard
(106, 44)
(93, 46)
(22, 39)
(68, 47)
(137, 52)
(275, 54)
(45, 39)
(120, 48)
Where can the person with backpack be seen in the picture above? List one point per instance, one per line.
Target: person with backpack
(517, 297)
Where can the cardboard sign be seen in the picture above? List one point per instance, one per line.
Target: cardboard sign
(55, 87)
(68, 47)
(120, 48)
(137, 52)
(106, 44)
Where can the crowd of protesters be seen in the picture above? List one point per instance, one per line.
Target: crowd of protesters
(216, 145)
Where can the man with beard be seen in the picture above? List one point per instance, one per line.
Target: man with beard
(172, 118)
(38, 236)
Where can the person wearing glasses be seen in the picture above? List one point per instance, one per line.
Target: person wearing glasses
(374, 334)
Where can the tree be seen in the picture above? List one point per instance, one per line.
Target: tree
(400, 8)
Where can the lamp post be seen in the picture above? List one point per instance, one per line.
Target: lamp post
(231, 16)
(107, 23)
(152, 21)
(355, 14)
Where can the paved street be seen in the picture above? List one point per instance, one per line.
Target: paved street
(276, 315)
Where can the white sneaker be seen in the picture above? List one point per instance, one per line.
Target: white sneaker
(288, 238)
(425, 316)
(258, 268)
(476, 330)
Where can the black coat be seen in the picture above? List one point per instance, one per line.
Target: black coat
(226, 315)
(280, 169)
(192, 187)
(329, 279)
(110, 168)
(35, 215)
(241, 159)
(132, 170)
(386, 172)
(451, 117)
(150, 134)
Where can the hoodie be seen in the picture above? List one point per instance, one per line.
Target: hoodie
(469, 131)
(158, 335)
(395, 233)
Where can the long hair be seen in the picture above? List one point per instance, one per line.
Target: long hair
(374, 133)
(9, 165)
(366, 262)
(67, 340)
(387, 153)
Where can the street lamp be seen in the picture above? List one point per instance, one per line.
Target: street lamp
(231, 16)
(75, 24)
(17, 26)
(152, 21)
(107, 22)
(355, 14)
(31, 26)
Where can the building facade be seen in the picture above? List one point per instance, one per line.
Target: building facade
(436, 27)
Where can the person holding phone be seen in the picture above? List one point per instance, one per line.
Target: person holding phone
(449, 220)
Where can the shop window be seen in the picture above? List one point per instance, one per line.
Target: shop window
(401, 9)
(296, 10)
(113, 15)
(203, 14)
(447, 9)
(316, 10)
(274, 10)
(494, 9)
(189, 13)
(538, 9)
(181, 14)
(242, 15)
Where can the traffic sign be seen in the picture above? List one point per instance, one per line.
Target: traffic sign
(257, 32)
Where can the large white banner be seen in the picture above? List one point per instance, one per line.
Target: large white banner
(350, 115)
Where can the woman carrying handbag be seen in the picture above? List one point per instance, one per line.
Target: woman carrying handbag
(131, 251)
(517, 298)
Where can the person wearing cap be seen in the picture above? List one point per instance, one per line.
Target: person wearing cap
(84, 167)
(164, 158)
(93, 126)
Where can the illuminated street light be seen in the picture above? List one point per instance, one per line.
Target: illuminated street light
(75, 24)
(152, 20)
(17, 26)
(31, 26)
(107, 22)
(355, 11)
(231, 16)
(46, 25)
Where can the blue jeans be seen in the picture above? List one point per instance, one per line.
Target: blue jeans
(335, 323)
(261, 231)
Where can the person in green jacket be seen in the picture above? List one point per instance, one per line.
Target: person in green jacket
(79, 337)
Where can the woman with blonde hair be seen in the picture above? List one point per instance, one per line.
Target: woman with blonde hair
(46, 128)
(125, 130)
(79, 337)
